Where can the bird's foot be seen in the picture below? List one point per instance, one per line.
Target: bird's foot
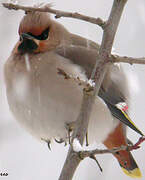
(48, 143)
(69, 127)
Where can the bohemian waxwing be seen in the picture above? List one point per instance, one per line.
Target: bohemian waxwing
(47, 104)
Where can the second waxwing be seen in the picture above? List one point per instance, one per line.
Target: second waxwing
(47, 104)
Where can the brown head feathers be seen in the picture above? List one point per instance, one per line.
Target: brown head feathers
(34, 22)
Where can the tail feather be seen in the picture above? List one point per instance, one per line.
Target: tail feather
(135, 173)
(124, 157)
(128, 164)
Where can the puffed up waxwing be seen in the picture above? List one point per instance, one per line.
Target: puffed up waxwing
(47, 104)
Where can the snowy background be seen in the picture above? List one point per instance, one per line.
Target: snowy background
(22, 156)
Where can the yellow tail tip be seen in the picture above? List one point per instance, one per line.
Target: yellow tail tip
(135, 173)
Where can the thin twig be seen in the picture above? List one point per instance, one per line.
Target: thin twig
(94, 158)
(84, 154)
(125, 59)
(58, 13)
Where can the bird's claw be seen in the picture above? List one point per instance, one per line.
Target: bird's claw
(87, 143)
(61, 141)
(69, 128)
(48, 144)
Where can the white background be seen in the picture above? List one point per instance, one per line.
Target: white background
(25, 158)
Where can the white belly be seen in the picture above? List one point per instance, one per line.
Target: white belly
(44, 102)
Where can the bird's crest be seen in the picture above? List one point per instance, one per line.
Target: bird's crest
(35, 22)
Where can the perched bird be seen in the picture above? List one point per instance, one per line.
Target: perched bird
(47, 104)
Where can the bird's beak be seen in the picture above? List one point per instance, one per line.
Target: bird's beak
(28, 43)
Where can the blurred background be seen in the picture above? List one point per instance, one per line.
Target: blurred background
(22, 156)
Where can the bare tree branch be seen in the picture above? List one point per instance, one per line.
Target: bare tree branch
(58, 13)
(125, 59)
(103, 61)
(84, 154)
(98, 73)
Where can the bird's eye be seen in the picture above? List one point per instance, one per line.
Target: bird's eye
(125, 163)
(42, 36)
(20, 38)
(117, 153)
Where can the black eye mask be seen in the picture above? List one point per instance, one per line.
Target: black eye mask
(27, 46)
(42, 36)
